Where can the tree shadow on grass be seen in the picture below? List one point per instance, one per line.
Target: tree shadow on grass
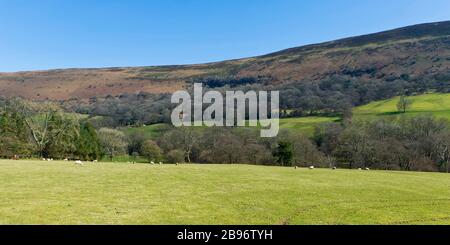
(391, 113)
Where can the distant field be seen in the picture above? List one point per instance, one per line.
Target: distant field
(304, 124)
(148, 131)
(435, 104)
(300, 124)
(37, 192)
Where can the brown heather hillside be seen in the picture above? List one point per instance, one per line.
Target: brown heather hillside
(415, 52)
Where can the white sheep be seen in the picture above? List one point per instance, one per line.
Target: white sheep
(152, 162)
(359, 168)
(160, 163)
(367, 168)
(65, 159)
(78, 162)
(43, 159)
(95, 161)
(311, 167)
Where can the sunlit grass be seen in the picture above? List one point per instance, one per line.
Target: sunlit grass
(434, 104)
(148, 131)
(37, 192)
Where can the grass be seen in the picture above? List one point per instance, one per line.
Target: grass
(304, 124)
(435, 104)
(149, 131)
(299, 124)
(125, 158)
(37, 192)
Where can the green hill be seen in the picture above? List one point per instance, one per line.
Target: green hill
(435, 104)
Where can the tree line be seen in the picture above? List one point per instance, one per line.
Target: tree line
(398, 142)
(419, 143)
(30, 129)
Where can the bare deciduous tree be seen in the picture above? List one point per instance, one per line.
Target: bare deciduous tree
(48, 124)
(403, 104)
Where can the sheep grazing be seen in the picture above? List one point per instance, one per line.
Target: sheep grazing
(95, 161)
(359, 168)
(160, 163)
(65, 159)
(295, 167)
(43, 159)
(367, 168)
(334, 168)
(152, 162)
(311, 167)
(78, 162)
(176, 164)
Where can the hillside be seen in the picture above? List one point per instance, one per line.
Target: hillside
(435, 104)
(420, 52)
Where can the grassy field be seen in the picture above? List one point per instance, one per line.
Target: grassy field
(304, 124)
(149, 130)
(435, 104)
(299, 124)
(37, 192)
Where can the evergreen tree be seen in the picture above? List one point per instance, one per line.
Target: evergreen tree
(88, 144)
(284, 153)
(13, 134)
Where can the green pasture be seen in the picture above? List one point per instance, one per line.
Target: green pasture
(38, 192)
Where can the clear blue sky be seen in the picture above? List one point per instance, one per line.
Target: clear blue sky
(80, 33)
